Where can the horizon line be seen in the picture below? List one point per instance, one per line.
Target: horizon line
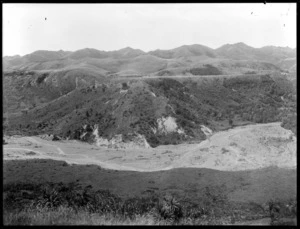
(148, 51)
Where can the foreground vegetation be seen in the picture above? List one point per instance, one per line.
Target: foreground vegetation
(72, 204)
(49, 192)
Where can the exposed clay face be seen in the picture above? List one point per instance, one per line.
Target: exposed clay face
(206, 130)
(168, 125)
(138, 141)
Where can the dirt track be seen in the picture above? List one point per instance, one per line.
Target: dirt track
(241, 148)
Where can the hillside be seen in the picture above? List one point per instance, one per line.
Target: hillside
(160, 110)
(271, 54)
(163, 96)
(144, 63)
(236, 51)
(185, 51)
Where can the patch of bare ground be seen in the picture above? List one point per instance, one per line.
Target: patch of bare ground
(241, 148)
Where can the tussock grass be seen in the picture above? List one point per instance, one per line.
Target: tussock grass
(68, 216)
(72, 204)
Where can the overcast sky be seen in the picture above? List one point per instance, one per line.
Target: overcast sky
(31, 27)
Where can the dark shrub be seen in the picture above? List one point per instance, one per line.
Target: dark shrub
(55, 138)
(41, 78)
(170, 208)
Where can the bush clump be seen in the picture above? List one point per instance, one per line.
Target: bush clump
(169, 208)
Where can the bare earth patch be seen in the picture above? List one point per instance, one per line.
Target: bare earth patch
(242, 148)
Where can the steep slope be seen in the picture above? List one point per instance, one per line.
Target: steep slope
(162, 111)
(100, 96)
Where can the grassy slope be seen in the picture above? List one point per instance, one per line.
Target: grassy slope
(67, 216)
(205, 196)
(242, 186)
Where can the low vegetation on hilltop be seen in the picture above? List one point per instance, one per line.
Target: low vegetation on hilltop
(206, 70)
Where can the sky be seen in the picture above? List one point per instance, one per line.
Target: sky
(69, 27)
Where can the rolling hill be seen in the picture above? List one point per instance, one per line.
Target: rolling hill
(129, 59)
(271, 54)
(94, 95)
(185, 51)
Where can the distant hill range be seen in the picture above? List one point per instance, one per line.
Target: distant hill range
(228, 59)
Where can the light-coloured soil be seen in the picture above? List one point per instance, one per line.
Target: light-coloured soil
(241, 148)
(263, 221)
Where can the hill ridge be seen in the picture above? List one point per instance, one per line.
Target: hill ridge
(128, 47)
(194, 59)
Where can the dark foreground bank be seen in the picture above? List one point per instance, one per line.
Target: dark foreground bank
(42, 192)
